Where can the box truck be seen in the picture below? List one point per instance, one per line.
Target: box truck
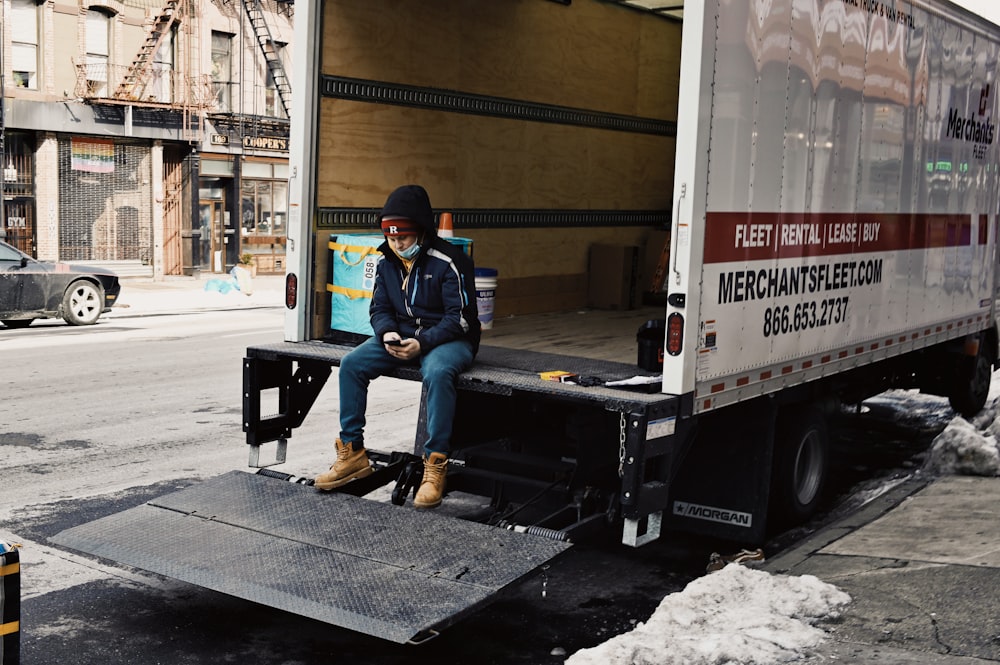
(815, 185)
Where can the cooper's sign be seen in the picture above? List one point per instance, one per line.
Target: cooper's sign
(266, 143)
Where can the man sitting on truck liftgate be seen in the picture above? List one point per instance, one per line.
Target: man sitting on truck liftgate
(424, 313)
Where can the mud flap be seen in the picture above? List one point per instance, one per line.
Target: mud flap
(392, 572)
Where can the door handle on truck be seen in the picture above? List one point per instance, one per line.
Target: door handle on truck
(674, 234)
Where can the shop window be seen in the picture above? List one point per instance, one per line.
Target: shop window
(17, 179)
(18, 166)
(264, 208)
(19, 224)
(105, 210)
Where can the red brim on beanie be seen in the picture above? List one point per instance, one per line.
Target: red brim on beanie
(399, 227)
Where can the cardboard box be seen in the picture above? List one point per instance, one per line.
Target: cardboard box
(613, 276)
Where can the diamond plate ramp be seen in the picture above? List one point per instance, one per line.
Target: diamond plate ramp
(384, 570)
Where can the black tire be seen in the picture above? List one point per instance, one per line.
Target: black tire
(82, 303)
(18, 323)
(801, 465)
(972, 384)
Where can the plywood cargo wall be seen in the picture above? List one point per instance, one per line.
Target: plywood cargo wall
(589, 55)
(472, 162)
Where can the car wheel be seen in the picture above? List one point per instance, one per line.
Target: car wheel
(18, 323)
(82, 303)
(801, 449)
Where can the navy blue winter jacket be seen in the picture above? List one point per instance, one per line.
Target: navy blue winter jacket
(439, 304)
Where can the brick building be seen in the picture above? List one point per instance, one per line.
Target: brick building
(147, 135)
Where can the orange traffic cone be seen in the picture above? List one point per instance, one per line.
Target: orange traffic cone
(445, 229)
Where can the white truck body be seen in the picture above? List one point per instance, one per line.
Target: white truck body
(836, 189)
(835, 192)
(834, 174)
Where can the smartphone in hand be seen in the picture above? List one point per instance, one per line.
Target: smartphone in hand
(394, 342)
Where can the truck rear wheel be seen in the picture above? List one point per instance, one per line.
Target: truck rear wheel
(801, 465)
(972, 385)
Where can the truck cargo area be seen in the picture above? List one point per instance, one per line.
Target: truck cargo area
(364, 565)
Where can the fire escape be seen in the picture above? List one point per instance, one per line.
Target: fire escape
(134, 82)
(143, 85)
(255, 14)
(243, 122)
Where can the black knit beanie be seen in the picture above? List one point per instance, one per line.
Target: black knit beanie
(411, 202)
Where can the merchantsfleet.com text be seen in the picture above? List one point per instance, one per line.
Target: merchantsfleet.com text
(769, 283)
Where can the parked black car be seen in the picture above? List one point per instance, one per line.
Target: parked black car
(31, 289)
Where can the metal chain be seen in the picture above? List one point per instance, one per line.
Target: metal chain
(621, 446)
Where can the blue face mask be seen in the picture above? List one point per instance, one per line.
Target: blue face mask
(410, 251)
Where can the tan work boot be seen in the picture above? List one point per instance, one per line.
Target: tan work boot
(432, 486)
(350, 464)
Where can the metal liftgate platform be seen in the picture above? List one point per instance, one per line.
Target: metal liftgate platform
(388, 571)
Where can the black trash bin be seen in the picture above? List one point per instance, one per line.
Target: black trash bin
(650, 340)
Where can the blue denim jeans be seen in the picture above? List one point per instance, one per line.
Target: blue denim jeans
(439, 368)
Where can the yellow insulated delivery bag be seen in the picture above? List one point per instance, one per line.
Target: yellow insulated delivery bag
(354, 258)
(353, 261)
(10, 605)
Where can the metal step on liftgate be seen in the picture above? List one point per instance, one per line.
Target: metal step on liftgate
(388, 571)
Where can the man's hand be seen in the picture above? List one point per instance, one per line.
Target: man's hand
(404, 349)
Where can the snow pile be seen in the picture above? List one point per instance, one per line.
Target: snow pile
(735, 615)
(967, 448)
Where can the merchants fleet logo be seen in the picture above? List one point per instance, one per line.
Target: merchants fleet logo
(975, 128)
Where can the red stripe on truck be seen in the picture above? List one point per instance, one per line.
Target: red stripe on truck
(756, 236)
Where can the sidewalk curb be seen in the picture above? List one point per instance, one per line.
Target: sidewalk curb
(786, 561)
(123, 312)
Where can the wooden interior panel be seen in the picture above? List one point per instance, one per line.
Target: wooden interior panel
(588, 54)
(534, 295)
(659, 63)
(320, 309)
(468, 161)
(521, 253)
(366, 150)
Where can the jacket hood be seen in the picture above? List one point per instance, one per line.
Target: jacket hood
(411, 202)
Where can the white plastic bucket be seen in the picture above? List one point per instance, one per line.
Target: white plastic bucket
(486, 288)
